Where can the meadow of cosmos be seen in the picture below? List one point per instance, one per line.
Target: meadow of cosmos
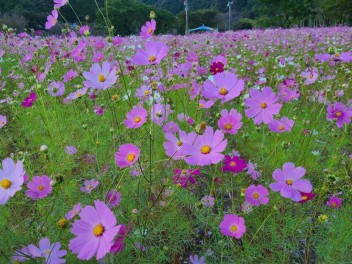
(227, 147)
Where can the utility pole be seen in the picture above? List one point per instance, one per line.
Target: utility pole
(186, 9)
(229, 4)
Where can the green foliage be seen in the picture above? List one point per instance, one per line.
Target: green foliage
(244, 23)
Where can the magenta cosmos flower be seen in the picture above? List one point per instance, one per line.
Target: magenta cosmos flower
(226, 86)
(126, 155)
(39, 187)
(11, 179)
(310, 75)
(230, 122)
(60, 3)
(334, 202)
(29, 101)
(262, 105)
(206, 149)
(234, 164)
(233, 226)
(75, 211)
(148, 29)
(119, 244)
(339, 112)
(289, 182)
(174, 146)
(256, 195)
(56, 88)
(89, 185)
(183, 177)
(153, 54)
(3, 121)
(100, 78)
(282, 125)
(51, 252)
(113, 198)
(136, 117)
(95, 231)
(51, 19)
(160, 113)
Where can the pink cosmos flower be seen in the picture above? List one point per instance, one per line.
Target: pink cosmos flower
(148, 29)
(100, 78)
(205, 104)
(29, 101)
(216, 67)
(339, 112)
(51, 19)
(281, 126)
(39, 187)
(252, 170)
(113, 198)
(206, 149)
(262, 105)
(234, 164)
(170, 127)
(75, 211)
(126, 155)
(311, 75)
(21, 255)
(334, 202)
(71, 150)
(84, 30)
(305, 197)
(94, 232)
(98, 57)
(11, 179)
(51, 252)
(119, 244)
(99, 110)
(3, 121)
(90, 185)
(233, 226)
(153, 54)
(289, 182)
(230, 122)
(56, 88)
(174, 146)
(77, 94)
(136, 117)
(183, 177)
(160, 113)
(70, 75)
(60, 3)
(226, 86)
(208, 201)
(256, 195)
(196, 260)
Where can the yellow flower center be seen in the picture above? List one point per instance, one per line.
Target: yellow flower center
(337, 54)
(131, 157)
(179, 143)
(304, 197)
(289, 182)
(333, 204)
(48, 251)
(205, 149)
(53, 21)
(146, 92)
(78, 94)
(101, 77)
(263, 105)
(311, 76)
(98, 230)
(338, 114)
(255, 195)
(228, 126)
(5, 183)
(150, 31)
(281, 127)
(223, 91)
(201, 105)
(233, 228)
(137, 119)
(152, 58)
(41, 187)
(154, 84)
(115, 97)
(216, 69)
(233, 164)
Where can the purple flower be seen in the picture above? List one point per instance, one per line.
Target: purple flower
(334, 202)
(234, 164)
(75, 211)
(289, 182)
(206, 149)
(252, 170)
(226, 86)
(281, 126)
(340, 113)
(51, 19)
(98, 110)
(171, 127)
(100, 78)
(84, 30)
(3, 121)
(21, 255)
(29, 101)
(94, 232)
(153, 54)
(60, 3)
(90, 185)
(310, 75)
(262, 105)
(113, 198)
(71, 150)
(208, 201)
(148, 29)
(126, 155)
(233, 226)
(196, 260)
(11, 179)
(51, 252)
(39, 187)
(174, 146)
(119, 244)
(230, 122)
(136, 117)
(70, 75)
(256, 195)
(56, 88)
(160, 113)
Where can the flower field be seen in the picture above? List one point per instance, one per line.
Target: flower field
(227, 147)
